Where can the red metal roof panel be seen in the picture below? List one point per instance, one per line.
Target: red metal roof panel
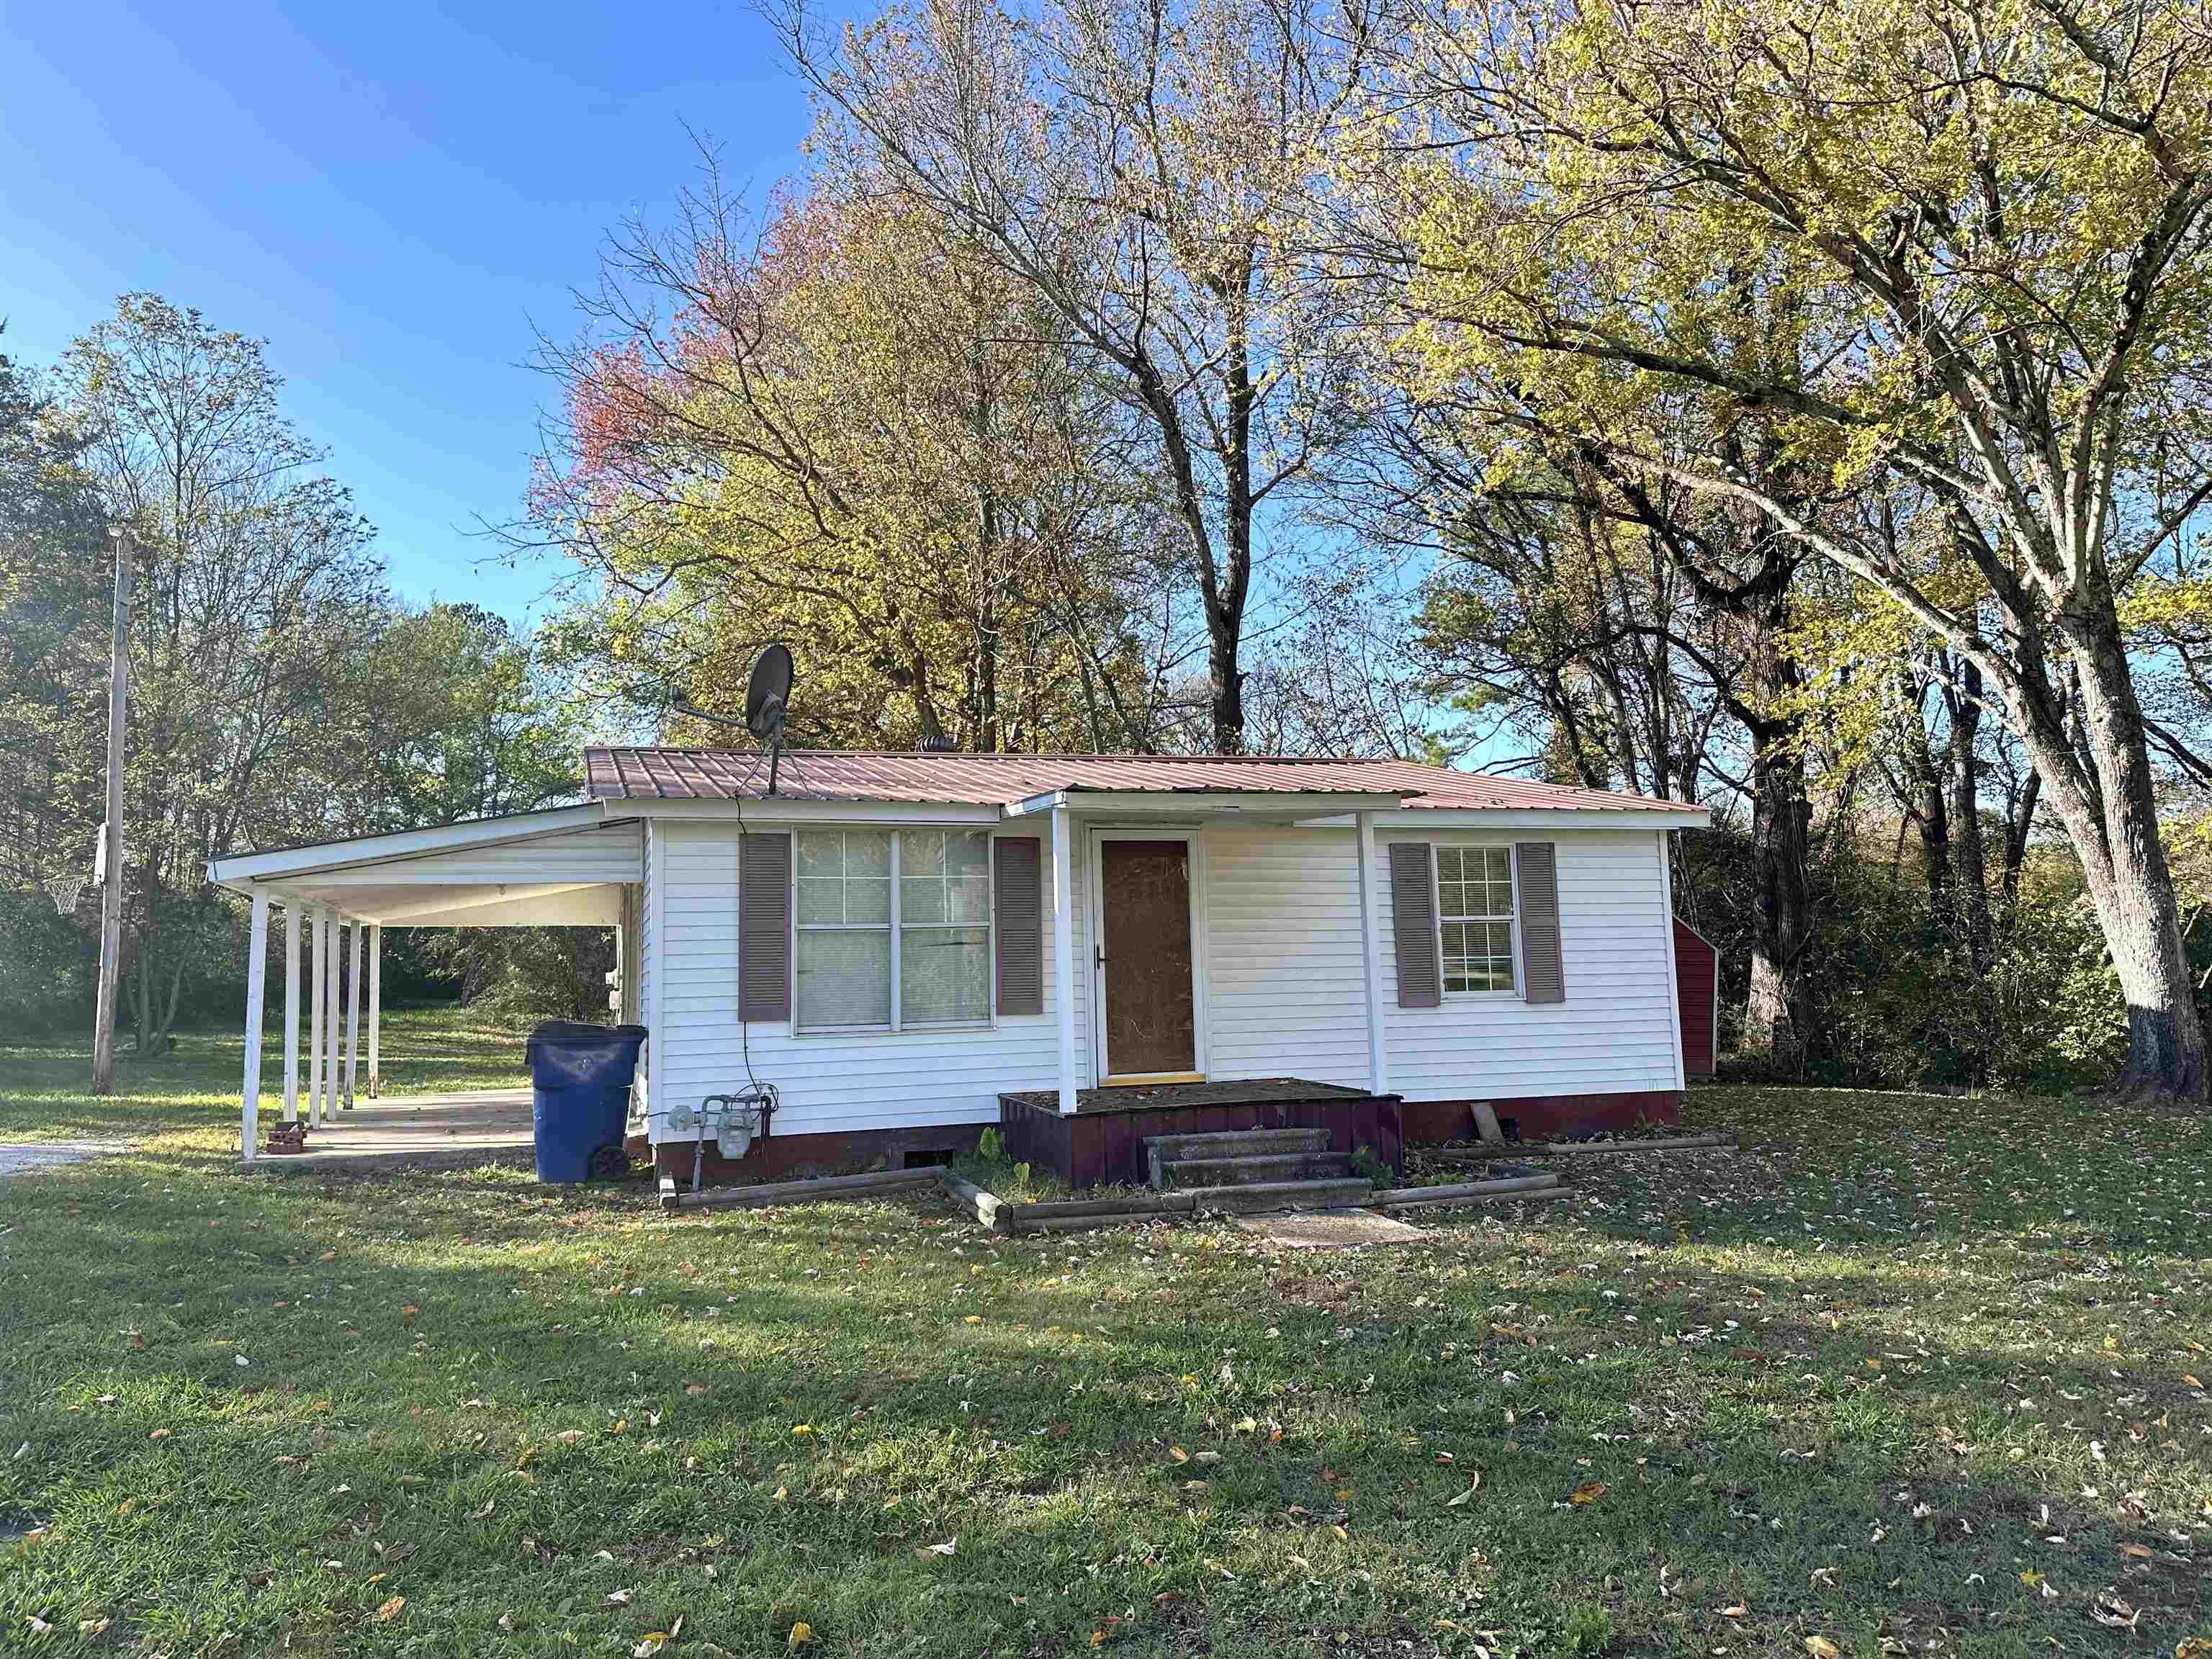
(823, 775)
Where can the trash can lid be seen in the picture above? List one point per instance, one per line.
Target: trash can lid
(584, 1030)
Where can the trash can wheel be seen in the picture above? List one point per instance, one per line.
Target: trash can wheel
(611, 1163)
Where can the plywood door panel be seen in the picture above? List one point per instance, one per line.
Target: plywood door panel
(1151, 1014)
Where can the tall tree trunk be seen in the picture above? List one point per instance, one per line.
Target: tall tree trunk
(2123, 861)
(1965, 776)
(1775, 1019)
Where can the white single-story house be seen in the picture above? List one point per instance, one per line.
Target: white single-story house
(894, 943)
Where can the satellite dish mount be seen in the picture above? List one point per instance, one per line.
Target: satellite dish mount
(768, 696)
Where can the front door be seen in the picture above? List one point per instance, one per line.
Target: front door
(1148, 1021)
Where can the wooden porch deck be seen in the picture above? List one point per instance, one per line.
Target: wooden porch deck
(422, 1132)
(1103, 1141)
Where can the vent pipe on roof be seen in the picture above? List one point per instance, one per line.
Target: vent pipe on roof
(941, 745)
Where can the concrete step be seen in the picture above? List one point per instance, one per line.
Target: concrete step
(1262, 1195)
(1235, 1143)
(1260, 1167)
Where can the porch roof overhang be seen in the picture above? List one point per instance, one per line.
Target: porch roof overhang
(561, 868)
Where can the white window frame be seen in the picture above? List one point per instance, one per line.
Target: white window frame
(1512, 919)
(897, 925)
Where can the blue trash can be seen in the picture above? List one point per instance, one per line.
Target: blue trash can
(579, 1080)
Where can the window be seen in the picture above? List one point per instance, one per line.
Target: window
(844, 928)
(1475, 915)
(857, 967)
(945, 926)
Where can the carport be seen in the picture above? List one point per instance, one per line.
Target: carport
(566, 867)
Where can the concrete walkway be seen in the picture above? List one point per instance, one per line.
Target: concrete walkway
(421, 1132)
(24, 1157)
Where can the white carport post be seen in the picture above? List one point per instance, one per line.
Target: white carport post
(318, 920)
(257, 970)
(353, 1017)
(295, 914)
(1370, 946)
(334, 946)
(1063, 950)
(375, 1001)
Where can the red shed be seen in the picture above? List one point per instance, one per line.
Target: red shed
(1697, 988)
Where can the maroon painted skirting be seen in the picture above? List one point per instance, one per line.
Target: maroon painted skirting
(1096, 1146)
(800, 1158)
(1102, 1145)
(1542, 1117)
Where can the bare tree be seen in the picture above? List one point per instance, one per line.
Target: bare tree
(1142, 168)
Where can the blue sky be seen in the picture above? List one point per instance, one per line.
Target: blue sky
(392, 196)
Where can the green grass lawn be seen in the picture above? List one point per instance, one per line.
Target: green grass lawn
(190, 1097)
(1908, 1374)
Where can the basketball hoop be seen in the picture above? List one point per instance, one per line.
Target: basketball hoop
(66, 891)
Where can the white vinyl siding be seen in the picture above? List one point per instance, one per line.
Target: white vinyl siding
(1283, 991)
(1614, 1033)
(614, 854)
(1283, 996)
(833, 1080)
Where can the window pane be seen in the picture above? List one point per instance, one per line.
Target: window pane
(968, 854)
(921, 853)
(922, 899)
(945, 973)
(820, 901)
(867, 852)
(970, 898)
(868, 898)
(820, 853)
(844, 978)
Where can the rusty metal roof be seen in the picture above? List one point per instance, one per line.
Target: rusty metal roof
(832, 774)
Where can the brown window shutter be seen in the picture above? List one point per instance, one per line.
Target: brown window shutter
(1537, 864)
(1019, 898)
(763, 927)
(1414, 924)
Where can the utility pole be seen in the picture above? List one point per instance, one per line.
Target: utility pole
(111, 897)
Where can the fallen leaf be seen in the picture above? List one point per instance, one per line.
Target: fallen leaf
(1587, 1494)
(1454, 1502)
(801, 1634)
(652, 1644)
(390, 1610)
(1821, 1647)
(1176, 1454)
(407, 1314)
(488, 1505)
(1735, 1610)
(946, 1548)
(159, 1434)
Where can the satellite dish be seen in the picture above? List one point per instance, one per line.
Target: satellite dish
(768, 693)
